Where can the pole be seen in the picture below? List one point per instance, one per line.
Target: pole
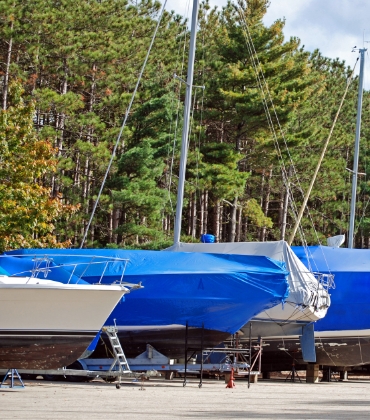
(201, 360)
(186, 352)
(357, 149)
(185, 131)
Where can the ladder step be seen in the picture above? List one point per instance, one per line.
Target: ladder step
(120, 358)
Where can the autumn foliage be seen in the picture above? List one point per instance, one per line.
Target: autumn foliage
(27, 165)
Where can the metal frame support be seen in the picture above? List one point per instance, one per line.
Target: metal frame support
(293, 374)
(186, 352)
(201, 358)
(13, 375)
(250, 354)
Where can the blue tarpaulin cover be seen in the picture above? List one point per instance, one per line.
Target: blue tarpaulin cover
(350, 301)
(221, 291)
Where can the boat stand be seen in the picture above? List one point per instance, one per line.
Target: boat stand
(201, 359)
(193, 354)
(12, 375)
(293, 374)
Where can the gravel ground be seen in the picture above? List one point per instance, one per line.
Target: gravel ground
(160, 399)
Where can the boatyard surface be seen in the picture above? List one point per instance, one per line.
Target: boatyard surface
(160, 399)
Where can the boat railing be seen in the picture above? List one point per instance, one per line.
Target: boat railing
(43, 265)
(325, 280)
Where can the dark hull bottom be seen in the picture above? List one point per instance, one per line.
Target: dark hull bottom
(41, 350)
(170, 342)
(279, 354)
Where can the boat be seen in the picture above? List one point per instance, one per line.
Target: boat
(308, 298)
(342, 338)
(187, 297)
(202, 294)
(46, 324)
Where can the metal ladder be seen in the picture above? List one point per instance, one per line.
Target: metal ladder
(120, 360)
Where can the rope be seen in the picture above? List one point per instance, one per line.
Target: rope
(123, 126)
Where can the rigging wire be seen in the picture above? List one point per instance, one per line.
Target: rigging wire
(318, 165)
(258, 70)
(262, 84)
(123, 125)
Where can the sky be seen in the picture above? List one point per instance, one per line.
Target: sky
(332, 26)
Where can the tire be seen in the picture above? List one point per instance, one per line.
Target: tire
(72, 378)
(53, 378)
(28, 376)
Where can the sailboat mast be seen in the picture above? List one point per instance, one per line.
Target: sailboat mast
(185, 131)
(357, 149)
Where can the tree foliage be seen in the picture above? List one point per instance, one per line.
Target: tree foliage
(27, 211)
(267, 106)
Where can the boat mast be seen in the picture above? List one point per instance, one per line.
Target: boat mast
(185, 131)
(357, 149)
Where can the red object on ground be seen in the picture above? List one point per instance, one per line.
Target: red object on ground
(231, 383)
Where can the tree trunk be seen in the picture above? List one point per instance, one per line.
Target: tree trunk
(239, 225)
(262, 193)
(188, 231)
(7, 68)
(116, 219)
(110, 233)
(194, 216)
(285, 207)
(205, 226)
(216, 220)
(59, 125)
(267, 205)
(232, 230)
(62, 116)
(201, 213)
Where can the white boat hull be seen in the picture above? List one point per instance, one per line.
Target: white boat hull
(47, 325)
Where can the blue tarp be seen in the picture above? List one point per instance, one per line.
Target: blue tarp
(350, 301)
(221, 291)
